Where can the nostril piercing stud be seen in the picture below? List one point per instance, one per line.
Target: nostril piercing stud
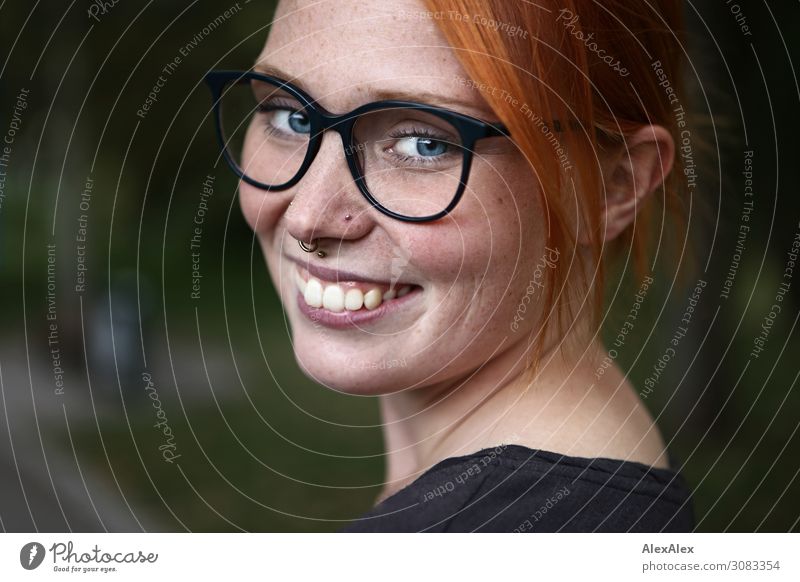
(347, 217)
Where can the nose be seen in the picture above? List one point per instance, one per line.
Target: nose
(326, 202)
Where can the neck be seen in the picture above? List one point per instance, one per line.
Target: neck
(426, 425)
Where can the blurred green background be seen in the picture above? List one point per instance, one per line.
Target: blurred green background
(262, 448)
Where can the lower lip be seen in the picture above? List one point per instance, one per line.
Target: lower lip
(348, 319)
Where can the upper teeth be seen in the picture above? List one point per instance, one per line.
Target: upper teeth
(336, 298)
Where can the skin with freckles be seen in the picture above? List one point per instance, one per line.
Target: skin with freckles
(446, 364)
(461, 262)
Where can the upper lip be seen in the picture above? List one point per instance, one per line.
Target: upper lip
(328, 274)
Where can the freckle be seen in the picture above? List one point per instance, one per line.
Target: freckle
(500, 200)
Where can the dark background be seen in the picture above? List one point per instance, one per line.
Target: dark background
(261, 447)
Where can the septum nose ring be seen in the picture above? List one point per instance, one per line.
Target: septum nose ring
(308, 247)
(313, 245)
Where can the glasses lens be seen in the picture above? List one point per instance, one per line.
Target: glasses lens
(266, 130)
(411, 160)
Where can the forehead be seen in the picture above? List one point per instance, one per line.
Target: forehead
(344, 50)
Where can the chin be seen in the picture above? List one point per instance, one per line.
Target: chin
(357, 374)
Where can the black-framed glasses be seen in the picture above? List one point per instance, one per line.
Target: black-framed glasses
(410, 160)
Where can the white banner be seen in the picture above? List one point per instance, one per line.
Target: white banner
(401, 557)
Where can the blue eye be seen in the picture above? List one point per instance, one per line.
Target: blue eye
(412, 146)
(431, 147)
(285, 121)
(300, 122)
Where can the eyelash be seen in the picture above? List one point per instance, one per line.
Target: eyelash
(422, 133)
(275, 106)
(275, 103)
(418, 133)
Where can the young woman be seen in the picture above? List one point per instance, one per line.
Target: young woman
(436, 188)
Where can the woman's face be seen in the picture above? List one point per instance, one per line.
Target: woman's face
(463, 278)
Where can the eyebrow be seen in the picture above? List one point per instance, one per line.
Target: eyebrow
(276, 72)
(427, 97)
(394, 94)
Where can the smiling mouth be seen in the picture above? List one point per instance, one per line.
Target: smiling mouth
(347, 296)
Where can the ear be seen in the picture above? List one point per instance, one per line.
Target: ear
(643, 162)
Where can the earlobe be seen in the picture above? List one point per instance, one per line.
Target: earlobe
(645, 160)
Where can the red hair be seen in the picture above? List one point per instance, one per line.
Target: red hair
(593, 67)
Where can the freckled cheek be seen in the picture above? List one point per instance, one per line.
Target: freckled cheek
(481, 238)
(485, 243)
(450, 255)
(262, 210)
